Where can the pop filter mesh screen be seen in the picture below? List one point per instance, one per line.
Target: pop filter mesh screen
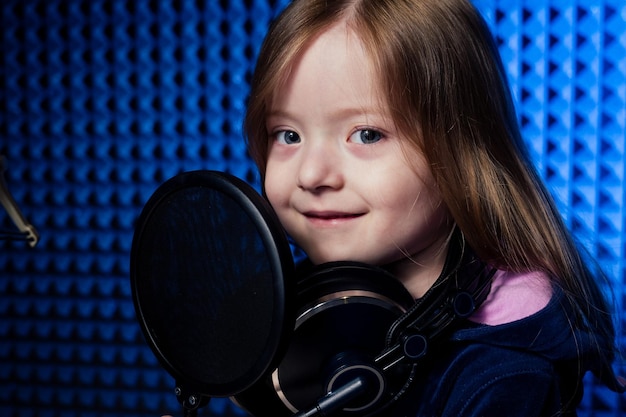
(205, 286)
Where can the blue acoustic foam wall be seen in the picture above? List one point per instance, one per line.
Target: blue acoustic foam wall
(102, 101)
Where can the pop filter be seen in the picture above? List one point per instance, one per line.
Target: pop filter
(211, 270)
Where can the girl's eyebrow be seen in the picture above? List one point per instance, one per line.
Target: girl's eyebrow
(281, 115)
(339, 114)
(278, 113)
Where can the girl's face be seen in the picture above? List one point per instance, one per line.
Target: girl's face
(338, 175)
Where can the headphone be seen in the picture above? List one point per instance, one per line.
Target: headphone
(336, 339)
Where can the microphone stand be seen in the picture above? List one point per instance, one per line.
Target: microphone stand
(27, 229)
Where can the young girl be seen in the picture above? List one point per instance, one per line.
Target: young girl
(382, 126)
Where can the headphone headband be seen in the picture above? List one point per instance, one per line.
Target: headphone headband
(461, 288)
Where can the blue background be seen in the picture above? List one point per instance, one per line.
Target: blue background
(102, 101)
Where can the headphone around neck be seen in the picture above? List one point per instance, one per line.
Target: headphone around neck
(358, 330)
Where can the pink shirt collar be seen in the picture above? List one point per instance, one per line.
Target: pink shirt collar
(514, 296)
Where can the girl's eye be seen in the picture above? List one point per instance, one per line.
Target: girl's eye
(366, 136)
(287, 137)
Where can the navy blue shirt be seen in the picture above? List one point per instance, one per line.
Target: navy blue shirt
(524, 368)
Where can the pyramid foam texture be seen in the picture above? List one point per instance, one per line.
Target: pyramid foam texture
(102, 101)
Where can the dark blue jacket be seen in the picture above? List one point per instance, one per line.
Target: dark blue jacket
(525, 368)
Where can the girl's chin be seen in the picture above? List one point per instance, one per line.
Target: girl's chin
(318, 259)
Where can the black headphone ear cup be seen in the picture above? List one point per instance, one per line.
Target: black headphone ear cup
(344, 311)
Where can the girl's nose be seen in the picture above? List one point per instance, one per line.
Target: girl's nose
(320, 167)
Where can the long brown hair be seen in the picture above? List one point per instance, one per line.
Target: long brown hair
(447, 91)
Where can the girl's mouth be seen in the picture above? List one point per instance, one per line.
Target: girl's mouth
(330, 217)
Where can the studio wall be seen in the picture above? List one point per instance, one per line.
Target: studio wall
(102, 101)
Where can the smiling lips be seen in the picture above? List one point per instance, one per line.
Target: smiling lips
(330, 217)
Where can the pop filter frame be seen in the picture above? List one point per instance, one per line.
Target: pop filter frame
(211, 278)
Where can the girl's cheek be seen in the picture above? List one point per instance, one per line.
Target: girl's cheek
(272, 191)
